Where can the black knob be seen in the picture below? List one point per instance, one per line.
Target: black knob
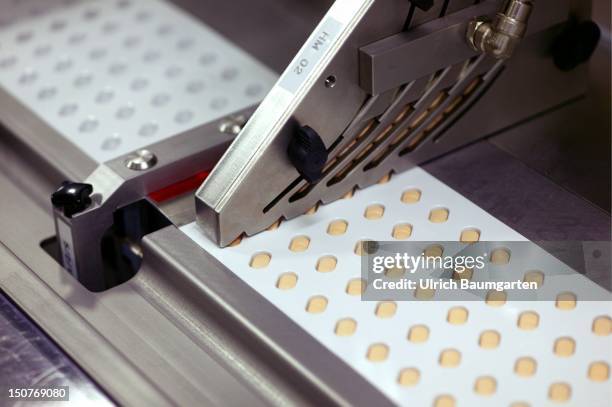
(307, 153)
(423, 4)
(72, 197)
(575, 45)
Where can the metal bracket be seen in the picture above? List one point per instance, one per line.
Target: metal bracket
(399, 59)
(118, 183)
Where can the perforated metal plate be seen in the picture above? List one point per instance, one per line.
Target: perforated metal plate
(113, 76)
(442, 353)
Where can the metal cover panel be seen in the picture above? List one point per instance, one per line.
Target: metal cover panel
(267, 263)
(113, 76)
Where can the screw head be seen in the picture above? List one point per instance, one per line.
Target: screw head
(232, 125)
(141, 160)
(330, 82)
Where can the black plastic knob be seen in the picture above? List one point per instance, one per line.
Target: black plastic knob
(307, 153)
(72, 197)
(575, 45)
(423, 4)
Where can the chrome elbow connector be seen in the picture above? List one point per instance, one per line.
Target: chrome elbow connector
(500, 37)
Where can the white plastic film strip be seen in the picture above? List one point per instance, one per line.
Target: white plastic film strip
(113, 76)
(436, 353)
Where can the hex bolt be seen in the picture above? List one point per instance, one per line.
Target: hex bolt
(141, 160)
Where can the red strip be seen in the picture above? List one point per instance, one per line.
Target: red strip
(174, 190)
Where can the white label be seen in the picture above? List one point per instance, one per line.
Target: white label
(64, 235)
(317, 46)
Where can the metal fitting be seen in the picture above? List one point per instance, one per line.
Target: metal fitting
(501, 36)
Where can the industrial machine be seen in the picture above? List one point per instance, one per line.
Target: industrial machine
(185, 196)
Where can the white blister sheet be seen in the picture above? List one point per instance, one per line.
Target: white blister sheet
(440, 353)
(112, 76)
